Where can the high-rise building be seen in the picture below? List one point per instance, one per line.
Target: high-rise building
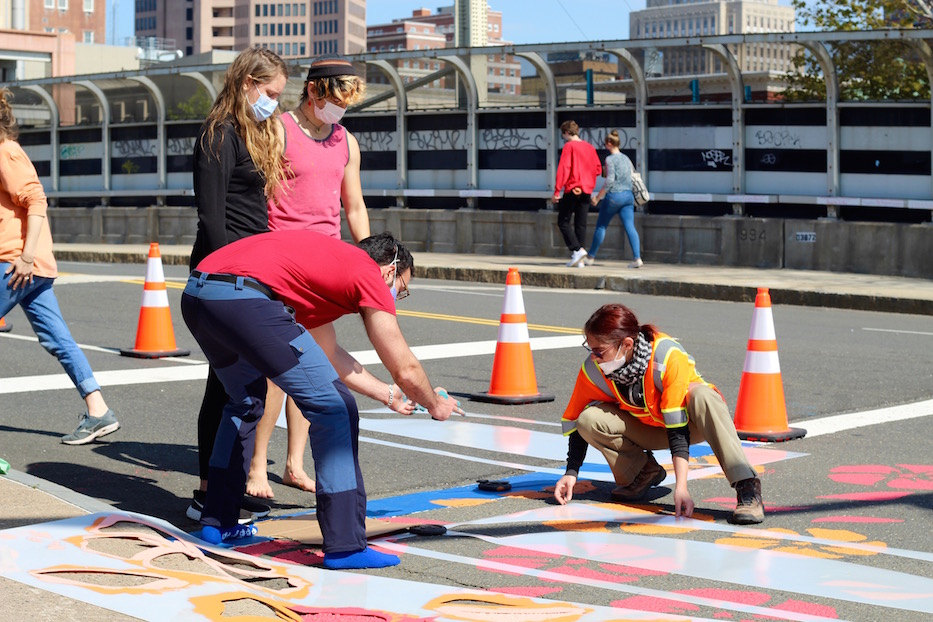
(467, 23)
(665, 19)
(85, 19)
(290, 29)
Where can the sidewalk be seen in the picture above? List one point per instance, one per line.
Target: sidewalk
(868, 292)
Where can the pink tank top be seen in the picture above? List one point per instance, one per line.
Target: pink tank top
(310, 198)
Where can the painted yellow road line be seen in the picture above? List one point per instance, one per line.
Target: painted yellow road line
(427, 316)
(484, 322)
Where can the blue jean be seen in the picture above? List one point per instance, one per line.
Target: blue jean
(623, 204)
(40, 305)
(248, 337)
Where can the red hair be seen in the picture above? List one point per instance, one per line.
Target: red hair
(614, 322)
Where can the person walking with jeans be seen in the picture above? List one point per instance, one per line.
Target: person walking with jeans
(616, 197)
(576, 175)
(28, 269)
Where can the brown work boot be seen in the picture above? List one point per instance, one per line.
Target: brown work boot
(749, 509)
(651, 475)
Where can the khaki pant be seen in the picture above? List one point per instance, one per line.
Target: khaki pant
(622, 438)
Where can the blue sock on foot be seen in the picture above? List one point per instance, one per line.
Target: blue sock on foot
(216, 535)
(367, 558)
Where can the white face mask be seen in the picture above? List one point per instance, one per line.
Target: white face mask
(610, 366)
(264, 106)
(330, 113)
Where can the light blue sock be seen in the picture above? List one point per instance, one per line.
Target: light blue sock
(367, 558)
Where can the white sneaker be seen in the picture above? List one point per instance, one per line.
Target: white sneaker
(577, 258)
(638, 263)
(589, 261)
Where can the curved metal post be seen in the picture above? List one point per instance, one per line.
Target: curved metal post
(738, 114)
(550, 107)
(641, 101)
(160, 126)
(401, 124)
(472, 131)
(201, 79)
(831, 80)
(926, 55)
(104, 129)
(54, 142)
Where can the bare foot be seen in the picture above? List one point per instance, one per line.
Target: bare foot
(298, 480)
(258, 486)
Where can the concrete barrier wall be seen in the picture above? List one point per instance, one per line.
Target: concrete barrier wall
(830, 245)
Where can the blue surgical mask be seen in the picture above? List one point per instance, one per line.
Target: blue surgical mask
(264, 107)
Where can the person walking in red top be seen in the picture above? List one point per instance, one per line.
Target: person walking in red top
(577, 171)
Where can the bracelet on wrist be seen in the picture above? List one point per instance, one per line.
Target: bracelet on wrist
(391, 396)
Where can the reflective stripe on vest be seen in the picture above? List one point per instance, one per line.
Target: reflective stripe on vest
(595, 376)
(675, 417)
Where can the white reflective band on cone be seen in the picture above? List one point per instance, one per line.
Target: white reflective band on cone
(762, 325)
(154, 273)
(513, 300)
(762, 362)
(155, 298)
(513, 333)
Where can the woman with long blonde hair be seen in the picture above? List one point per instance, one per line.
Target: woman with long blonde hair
(237, 165)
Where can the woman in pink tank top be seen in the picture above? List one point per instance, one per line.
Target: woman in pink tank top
(322, 161)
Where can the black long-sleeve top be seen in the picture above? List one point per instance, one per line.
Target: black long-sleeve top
(229, 193)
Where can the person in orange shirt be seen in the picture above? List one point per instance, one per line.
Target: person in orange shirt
(28, 269)
(639, 390)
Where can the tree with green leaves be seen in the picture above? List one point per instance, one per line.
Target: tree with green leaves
(874, 70)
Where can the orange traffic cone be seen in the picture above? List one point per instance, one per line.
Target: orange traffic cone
(154, 335)
(4, 327)
(513, 371)
(760, 412)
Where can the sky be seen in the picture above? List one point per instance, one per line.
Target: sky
(523, 21)
(553, 21)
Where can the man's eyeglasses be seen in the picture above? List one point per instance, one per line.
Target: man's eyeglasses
(597, 352)
(403, 293)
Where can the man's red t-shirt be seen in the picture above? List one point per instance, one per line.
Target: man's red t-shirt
(321, 277)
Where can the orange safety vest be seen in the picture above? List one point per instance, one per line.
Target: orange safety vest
(670, 374)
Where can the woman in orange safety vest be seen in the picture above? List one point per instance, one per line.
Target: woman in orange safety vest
(637, 391)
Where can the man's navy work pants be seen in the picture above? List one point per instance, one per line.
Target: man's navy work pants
(248, 337)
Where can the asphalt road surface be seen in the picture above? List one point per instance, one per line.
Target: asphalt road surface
(867, 480)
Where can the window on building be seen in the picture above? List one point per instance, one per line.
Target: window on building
(50, 4)
(288, 49)
(89, 36)
(257, 30)
(302, 8)
(288, 10)
(88, 7)
(302, 46)
(271, 10)
(302, 30)
(279, 34)
(258, 10)
(265, 10)
(265, 30)
(189, 33)
(62, 5)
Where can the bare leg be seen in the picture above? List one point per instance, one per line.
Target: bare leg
(96, 406)
(257, 483)
(297, 435)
